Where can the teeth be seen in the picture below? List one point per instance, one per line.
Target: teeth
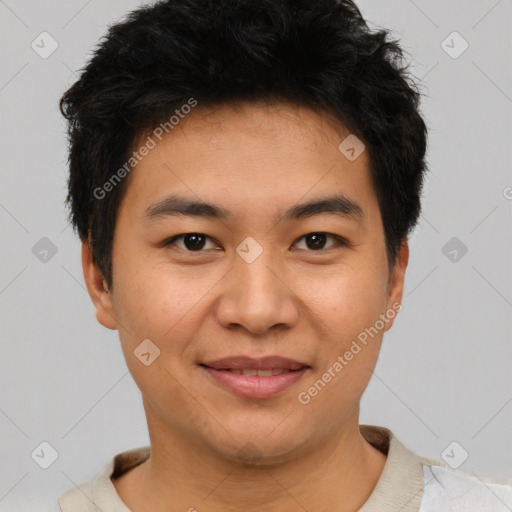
(265, 373)
(259, 373)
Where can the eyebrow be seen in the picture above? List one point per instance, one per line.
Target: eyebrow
(174, 205)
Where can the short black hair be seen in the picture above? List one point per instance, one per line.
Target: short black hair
(315, 53)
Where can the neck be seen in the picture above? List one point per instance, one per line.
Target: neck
(339, 475)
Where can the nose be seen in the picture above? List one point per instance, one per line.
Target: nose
(258, 296)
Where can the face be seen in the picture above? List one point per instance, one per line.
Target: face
(260, 281)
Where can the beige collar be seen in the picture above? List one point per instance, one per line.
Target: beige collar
(400, 486)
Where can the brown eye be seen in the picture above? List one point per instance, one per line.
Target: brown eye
(317, 241)
(192, 242)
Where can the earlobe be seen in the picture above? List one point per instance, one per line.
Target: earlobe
(396, 282)
(98, 289)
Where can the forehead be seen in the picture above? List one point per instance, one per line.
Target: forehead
(250, 155)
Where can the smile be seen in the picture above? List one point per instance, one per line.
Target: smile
(255, 377)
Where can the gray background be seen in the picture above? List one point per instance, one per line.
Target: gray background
(444, 373)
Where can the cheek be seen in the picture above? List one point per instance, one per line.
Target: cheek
(142, 292)
(151, 307)
(349, 301)
(158, 304)
(349, 307)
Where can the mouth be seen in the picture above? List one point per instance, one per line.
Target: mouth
(252, 372)
(255, 378)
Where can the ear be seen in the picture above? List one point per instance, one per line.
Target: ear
(396, 282)
(98, 289)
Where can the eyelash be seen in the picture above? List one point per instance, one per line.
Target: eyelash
(340, 241)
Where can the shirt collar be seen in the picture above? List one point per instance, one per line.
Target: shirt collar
(400, 486)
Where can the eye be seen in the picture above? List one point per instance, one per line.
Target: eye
(316, 241)
(193, 242)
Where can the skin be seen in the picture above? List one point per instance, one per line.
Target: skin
(299, 302)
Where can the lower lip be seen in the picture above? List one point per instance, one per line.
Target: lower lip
(253, 386)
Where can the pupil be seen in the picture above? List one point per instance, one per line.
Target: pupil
(317, 239)
(194, 241)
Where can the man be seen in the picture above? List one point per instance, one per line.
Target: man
(243, 177)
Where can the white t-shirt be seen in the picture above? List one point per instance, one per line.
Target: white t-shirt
(408, 483)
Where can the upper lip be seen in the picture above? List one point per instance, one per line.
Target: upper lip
(263, 363)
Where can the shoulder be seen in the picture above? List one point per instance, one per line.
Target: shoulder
(78, 499)
(99, 494)
(418, 484)
(446, 488)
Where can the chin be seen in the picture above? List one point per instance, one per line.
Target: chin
(265, 446)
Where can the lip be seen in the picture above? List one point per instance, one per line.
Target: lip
(254, 386)
(262, 363)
